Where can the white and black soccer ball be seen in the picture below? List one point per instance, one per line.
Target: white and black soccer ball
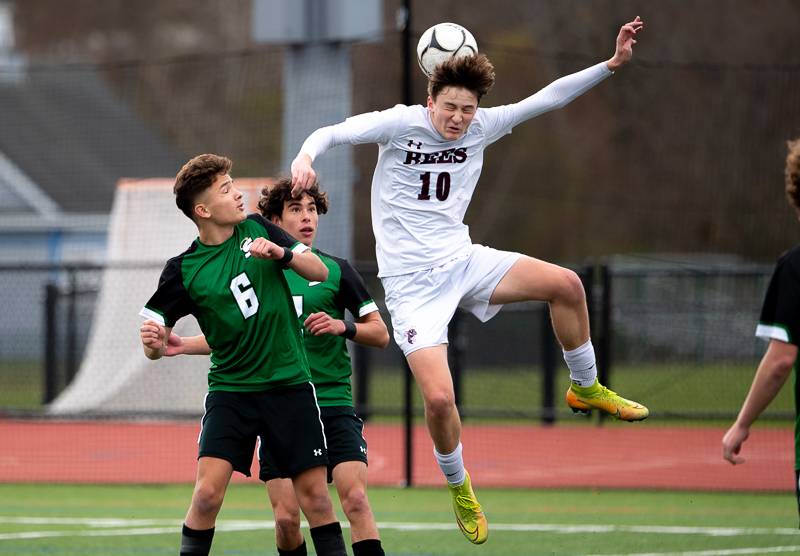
(443, 41)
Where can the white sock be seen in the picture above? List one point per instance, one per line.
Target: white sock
(451, 465)
(581, 363)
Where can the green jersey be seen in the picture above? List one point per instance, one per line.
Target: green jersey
(327, 354)
(243, 305)
(780, 319)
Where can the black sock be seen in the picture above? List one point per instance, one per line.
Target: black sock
(328, 540)
(195, 542)
(299, 551)
(368, 547)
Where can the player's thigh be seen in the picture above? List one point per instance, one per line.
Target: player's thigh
(213, 476)
(532, 279)
(431, 372)
(213, 473)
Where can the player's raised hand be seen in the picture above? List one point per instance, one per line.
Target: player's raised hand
(625, 41)
(303, 175)
(322, 323)
(262, 248)
(732, 443)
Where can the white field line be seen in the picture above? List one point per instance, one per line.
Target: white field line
(120, 527)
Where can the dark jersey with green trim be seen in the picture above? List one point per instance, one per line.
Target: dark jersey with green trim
(327, 354)
(243, 306)
(780, 319)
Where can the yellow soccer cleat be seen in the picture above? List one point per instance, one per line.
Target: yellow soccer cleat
(584, 399)
(469, 515)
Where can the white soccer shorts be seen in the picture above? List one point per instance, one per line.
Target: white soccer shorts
(422, 303)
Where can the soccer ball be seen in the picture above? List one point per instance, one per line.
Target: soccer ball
(443, 41)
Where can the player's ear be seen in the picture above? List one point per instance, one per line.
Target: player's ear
(430, 103)
(201, 211)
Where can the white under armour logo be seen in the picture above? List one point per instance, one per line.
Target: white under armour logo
(317, 452)
(363, 450)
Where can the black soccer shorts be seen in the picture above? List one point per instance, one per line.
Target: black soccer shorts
(285, 420)
(344, 433)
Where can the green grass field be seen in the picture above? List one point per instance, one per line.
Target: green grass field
(76, 520)
(664, 388)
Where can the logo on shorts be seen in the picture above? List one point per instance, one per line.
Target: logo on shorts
(363, 450)
(410, 335)
(317, 452)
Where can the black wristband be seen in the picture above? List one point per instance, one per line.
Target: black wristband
(288, 254)
(349, 330)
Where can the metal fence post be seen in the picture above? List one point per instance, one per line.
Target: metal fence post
(72, 328)
(548, 368)
(50, 342)
(603, 349)
(408, 432)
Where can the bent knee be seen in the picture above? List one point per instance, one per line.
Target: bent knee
(316, 502)
(440, 403)
(355, 502)
(571, 288)
(208, 498)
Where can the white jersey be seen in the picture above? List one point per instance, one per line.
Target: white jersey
(422, 183)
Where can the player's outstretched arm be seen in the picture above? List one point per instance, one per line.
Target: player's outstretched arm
(369, 330)
(625, 41)
(564, 90)
(309, 266)
(189, 345)
(774, 369)
(306, 264)
(370, 127)
(154, 339)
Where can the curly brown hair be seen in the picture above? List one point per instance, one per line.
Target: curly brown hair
(792, 173)
(273, 198)
(474, 73)
(196, 176)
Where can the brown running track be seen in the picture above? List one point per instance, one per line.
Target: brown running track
(630, 456)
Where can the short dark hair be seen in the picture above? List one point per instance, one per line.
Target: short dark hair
(195, 177)
(474, 73)
(793, 175)
(273, 198)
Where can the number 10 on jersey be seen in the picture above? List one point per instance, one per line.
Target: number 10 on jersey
(442, 186)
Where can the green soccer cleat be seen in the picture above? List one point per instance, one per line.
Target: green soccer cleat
(584, 399)
(469, 515)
